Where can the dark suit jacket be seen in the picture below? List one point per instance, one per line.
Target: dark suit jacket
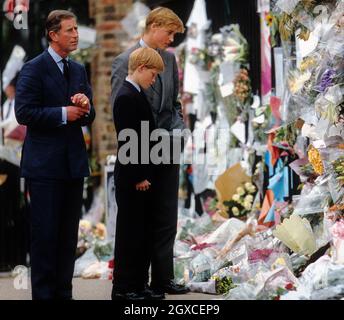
(51, 149)
(130, 109)
(169, 114)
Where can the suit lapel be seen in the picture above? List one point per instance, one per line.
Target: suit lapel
(55, 73)
(142, 99)
(73, 78)
(163, 78)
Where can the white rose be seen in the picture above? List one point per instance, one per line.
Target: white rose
(235, 211)
(240, 191)
(248, 185)
(247, 206)
(249, 198)
(236, 197)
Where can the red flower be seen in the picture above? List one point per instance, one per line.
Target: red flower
(289, 286)
(111, 264)
(201, 246)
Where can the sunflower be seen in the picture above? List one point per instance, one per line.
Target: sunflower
(269, 18)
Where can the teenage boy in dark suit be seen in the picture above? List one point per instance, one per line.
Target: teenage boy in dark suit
(134, 177)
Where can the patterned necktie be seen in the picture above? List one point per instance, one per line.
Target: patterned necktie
(65, 69)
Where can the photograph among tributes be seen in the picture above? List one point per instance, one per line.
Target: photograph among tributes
(172, 150)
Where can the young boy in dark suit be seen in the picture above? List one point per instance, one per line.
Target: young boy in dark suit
(134, 176)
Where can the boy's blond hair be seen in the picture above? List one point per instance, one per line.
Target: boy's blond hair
(164, 17)
(147, 57)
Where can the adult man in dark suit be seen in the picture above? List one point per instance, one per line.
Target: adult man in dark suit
(54, 100)
(161, 26)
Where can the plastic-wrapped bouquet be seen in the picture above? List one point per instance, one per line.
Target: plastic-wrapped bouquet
(280, 291)
(223, 284)
(229, 44)
(200, 58)
(294, 15)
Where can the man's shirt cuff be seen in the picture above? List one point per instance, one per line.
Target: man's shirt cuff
(64, 115)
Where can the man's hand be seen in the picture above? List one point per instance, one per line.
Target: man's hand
(80, 100)
(143, 186)
(75, 113)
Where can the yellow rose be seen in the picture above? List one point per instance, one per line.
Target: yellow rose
(85, 225)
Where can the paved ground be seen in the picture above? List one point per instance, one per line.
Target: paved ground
(84, 290)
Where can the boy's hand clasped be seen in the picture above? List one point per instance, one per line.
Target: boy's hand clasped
(143, 186)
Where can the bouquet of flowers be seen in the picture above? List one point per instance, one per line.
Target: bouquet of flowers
(330, 88)
(314, 158)
(200, 57)
(83, 55)
(89, 235)
(242, 85)
(338, 168)
(230, 45)
(280, 291)
(242, 201)
(223, 284)
(292, 16)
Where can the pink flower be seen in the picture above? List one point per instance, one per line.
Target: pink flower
(201, 246)
(338, 229)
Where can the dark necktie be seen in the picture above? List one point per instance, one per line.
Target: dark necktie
(65, 69)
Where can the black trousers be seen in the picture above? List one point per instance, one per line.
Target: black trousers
(55, 208)
(133, 238)
(164, 223)
(146, 228)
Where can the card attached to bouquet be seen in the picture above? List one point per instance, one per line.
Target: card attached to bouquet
(256, 102)
(260, 119)
(239, 130)
(227, 73)
(227, 90)
(319, 144)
